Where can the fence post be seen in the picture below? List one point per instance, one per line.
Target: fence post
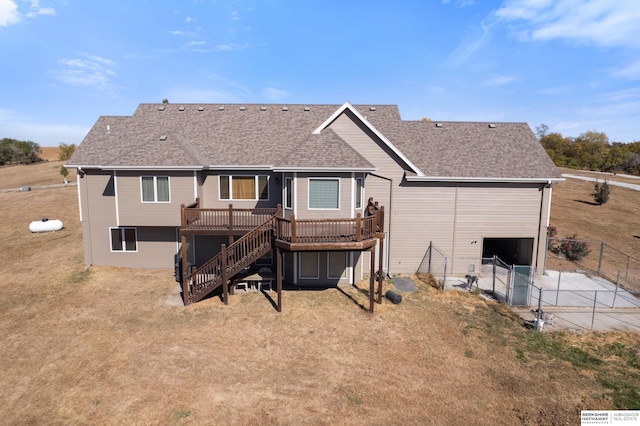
(558, 289)
(430, 254)
(494, 274)
(626, 272)
(444, 280)
(539, 317)
(593, 316)
(600, 259)
(615, 293)
(509, 281)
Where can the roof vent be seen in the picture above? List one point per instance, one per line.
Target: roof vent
(181, 109)
(163, 137)
(263, 108)
(439, 125)
(221, 108)
(285, 108)
(161, 108)
(492, 126)
(307, 108)
(242, 108)
(201, 108)
(372, 108)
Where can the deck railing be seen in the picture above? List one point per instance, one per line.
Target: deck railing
(328, 230)
(196, 218)
(290, 229)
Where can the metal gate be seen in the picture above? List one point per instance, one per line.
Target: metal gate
(521, 282)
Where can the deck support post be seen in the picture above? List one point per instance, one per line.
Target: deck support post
(279, 277)
(380, 266)
(372, 273)
(380, 226)
(225, 284)
(186, 300)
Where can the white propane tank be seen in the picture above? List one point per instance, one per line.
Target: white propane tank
(45, 225)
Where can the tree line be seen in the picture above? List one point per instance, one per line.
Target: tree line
(13, 151)
(590, 151)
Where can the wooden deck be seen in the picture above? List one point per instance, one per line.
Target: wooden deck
(290, 234)
(259, 229)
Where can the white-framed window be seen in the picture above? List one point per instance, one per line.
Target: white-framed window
(359, 192)
(324, 193)
(336, 264)
(288, 193)
(123, 239)
(309, 262)
(155, 189)
(235, 187)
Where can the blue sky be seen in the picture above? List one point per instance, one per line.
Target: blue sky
(571, 64)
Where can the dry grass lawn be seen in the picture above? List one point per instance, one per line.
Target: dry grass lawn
(101, 347)
(617, 223)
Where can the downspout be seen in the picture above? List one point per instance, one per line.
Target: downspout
(542, 190)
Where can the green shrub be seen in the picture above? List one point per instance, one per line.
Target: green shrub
(601, 192)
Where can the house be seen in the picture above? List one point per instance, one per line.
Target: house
(288, 187)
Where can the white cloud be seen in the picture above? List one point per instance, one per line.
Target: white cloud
(8, 13)
(630, 72)
(273, 95)
(599, 22)
(36, 10)
(469, 47)
(500, 80)
(91, 70)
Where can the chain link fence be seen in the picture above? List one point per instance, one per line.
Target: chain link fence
(601, 260)
(599, 292)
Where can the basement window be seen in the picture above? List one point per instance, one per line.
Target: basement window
(123, 239)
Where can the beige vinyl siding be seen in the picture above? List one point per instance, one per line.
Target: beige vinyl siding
(493, 212)
(456, 218)
(101, 214)
(133, 212)
(382, 184)
(156, 249)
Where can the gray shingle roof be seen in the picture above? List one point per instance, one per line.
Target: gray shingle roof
(275, 136)
(471, 150)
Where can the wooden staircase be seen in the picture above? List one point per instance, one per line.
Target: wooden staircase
(232, 259)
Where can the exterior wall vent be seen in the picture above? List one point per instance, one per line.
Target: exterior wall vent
(263, 108)
(439, 125)
(492, 126)
(161, 108)
(163, 137)
(220, 108)
(201, 108)
(181, 109)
